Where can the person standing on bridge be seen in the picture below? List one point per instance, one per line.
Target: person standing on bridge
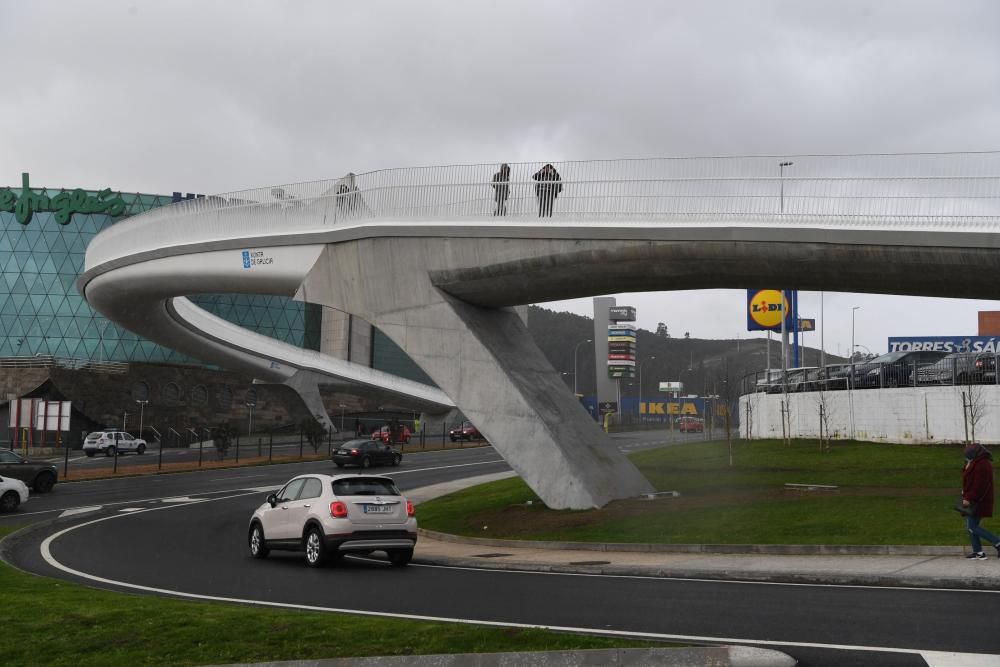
(501, 189)
(977, 495)
(547, 188)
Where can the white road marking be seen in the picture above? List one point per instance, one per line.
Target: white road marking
(458, 465)
(939, 659)
(179, 499)
(46, 552)
(132, 509)
(715, 581)
(78, 510)
(227, 479)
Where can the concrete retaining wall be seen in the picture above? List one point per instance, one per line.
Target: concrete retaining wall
(917, 415)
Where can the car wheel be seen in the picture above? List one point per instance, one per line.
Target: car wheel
(453, 438)
(258, 547)
(140, 450)
(44, 482)
(110, 451)
(396, 459)
(90, 455)
(9, 501)
(366, 462)
(400, 557)
(315, 551)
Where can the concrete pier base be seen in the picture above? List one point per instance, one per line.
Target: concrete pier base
(485, 360)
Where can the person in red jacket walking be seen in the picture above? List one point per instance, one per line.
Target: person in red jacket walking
(977, 493)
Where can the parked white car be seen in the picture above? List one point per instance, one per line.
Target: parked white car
(111, 442)
(13, 492)
(327, 516)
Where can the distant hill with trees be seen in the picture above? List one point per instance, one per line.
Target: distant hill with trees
(704, 366)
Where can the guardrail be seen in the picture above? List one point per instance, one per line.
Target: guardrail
(48, 361)
(939, 191)
(957, 370)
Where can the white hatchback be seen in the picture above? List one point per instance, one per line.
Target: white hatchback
(13, 492)
(327, 516)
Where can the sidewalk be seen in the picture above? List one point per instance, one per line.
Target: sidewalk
(913, 566)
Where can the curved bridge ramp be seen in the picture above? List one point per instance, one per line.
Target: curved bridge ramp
(431, 257)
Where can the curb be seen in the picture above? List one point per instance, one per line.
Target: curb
(714, 656)
(731, 575)
(730, 549)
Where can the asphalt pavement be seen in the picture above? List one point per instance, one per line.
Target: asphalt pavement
(185, 536)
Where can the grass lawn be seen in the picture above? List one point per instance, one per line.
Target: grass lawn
(888, 494)
(50, 622)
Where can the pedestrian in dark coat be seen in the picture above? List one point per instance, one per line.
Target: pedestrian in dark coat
(501, 189)
(547, 188)
(977, 491)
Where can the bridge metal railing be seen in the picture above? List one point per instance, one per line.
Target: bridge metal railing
(936, 191)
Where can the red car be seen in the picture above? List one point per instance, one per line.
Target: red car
(383, 434)
(690, 425)
(465, 432)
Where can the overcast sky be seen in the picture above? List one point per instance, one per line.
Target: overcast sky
(219, 96)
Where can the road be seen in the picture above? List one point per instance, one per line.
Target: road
(185, 535)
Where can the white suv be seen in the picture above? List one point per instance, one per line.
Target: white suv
(327, 516)
(112, 442)
(13, 492)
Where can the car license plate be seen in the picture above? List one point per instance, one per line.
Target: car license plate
(378, 509)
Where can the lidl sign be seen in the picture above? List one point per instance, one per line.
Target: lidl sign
(766, 307)
(63, 205)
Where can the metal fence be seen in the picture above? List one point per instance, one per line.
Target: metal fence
(49, 361)
(958, 370)
(938, 191)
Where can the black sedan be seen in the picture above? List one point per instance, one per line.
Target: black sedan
(896, 369)
(366, 453)
(39, 475)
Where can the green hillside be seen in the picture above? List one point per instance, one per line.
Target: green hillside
(702, 365)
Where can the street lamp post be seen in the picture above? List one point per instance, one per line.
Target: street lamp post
(342, 406)
(250, 425)
(853, 346)
(640, 377)
(781, 171)
(142, 405)
(575, 350)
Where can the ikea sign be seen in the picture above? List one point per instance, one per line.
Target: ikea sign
(965, 344)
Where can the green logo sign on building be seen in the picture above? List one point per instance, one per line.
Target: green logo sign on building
(64, 204)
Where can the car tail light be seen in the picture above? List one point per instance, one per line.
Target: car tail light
(338, 510)
(354, 452)
(979, 363)
(409, 509)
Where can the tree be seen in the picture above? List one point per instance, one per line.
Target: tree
(824, 419)
(687, 334)
(974, 407)
(314, 432)
(661, 330)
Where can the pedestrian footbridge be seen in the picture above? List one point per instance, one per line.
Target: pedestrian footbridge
(431, 257)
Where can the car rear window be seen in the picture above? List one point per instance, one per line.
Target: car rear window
(364, 486)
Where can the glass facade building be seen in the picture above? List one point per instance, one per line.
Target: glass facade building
(43, 239)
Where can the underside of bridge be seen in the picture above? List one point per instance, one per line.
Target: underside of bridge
(447, 302)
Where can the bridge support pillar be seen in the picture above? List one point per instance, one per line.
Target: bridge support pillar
(485, 360)
(306, 385)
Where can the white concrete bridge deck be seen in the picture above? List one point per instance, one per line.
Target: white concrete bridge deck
(422, 254)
